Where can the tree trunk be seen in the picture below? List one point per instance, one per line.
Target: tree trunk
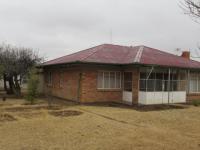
(17, 88)
(11, 85)
(4, 81)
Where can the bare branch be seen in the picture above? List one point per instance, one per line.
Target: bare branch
(16, 62)
(192, 8)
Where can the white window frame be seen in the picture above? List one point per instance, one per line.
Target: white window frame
(197, 79)
(115, 73)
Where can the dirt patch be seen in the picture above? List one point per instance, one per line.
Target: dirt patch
(6, 117)
(30, 115)
(65, 113)
(6, 104)
(37, 103)
(30, 108)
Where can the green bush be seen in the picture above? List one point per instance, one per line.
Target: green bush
(32, 87)
(196, 102)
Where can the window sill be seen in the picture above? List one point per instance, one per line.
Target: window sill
(109, 90)
(194, 94)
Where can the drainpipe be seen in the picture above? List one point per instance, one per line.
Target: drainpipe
(168, 87)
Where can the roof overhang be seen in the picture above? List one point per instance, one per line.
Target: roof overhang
(114, 64)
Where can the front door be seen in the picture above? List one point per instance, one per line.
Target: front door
(127, 87)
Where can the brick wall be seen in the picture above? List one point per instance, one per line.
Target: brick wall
(84, 88)
(135, 85)
(69, 88)
(90, 93)
(191, 97)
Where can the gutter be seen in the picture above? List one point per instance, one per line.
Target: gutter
(116, 64)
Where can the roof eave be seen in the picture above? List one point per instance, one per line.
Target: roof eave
(117, 64)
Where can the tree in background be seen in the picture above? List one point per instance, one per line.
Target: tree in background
(1, 72)
(33, 82)
(16, 62)
(192, 8)
(1, 68)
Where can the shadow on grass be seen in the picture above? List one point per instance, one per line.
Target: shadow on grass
(141, 108)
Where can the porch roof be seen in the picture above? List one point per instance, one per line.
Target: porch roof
(124, 55)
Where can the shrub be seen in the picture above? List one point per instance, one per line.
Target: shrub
(32, 87)
(196, 102)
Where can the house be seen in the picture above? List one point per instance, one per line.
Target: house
(132, 75)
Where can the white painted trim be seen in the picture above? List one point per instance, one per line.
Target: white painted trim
(127, 97)
(103, 88)
(150, 98)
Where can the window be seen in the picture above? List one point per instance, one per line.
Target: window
(194, 82)
(156, 79)
(49, 78)
(109, 80)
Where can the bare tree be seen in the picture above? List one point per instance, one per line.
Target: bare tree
(192, 8)
(16, 62)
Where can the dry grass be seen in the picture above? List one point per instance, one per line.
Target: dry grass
(96, 127)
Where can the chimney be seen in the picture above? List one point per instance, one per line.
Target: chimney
(186, 54)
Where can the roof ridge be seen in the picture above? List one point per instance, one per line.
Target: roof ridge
(139, 54)
(72, 54)
(172, 54)
(161, 51)
(93, 52)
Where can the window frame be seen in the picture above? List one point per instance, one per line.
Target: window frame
(197, 80)
(160, 80)
(115, 78)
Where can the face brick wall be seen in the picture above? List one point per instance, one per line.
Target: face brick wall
(135, 85)
(87, 81)
(69, 88)
(191, 97)
(90, 93)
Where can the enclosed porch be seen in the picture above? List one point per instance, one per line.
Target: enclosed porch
(162, 85)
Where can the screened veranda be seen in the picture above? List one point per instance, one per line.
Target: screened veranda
(159, 79)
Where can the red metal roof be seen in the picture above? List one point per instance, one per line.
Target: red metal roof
(116, 54)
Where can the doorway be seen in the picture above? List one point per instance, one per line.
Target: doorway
(127, 87)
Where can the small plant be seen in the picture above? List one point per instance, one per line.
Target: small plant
(32, 88)
(196, 102)
(4, 98)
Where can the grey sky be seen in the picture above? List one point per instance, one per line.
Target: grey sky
(59, 27)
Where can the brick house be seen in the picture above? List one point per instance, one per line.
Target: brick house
(132, 75)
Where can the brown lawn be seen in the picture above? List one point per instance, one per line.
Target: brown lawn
(106, 127)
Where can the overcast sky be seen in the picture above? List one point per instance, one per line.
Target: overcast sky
(60, 27)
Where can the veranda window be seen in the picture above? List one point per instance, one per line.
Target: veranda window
(155, 79)
(194, 82)
(109, 80)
